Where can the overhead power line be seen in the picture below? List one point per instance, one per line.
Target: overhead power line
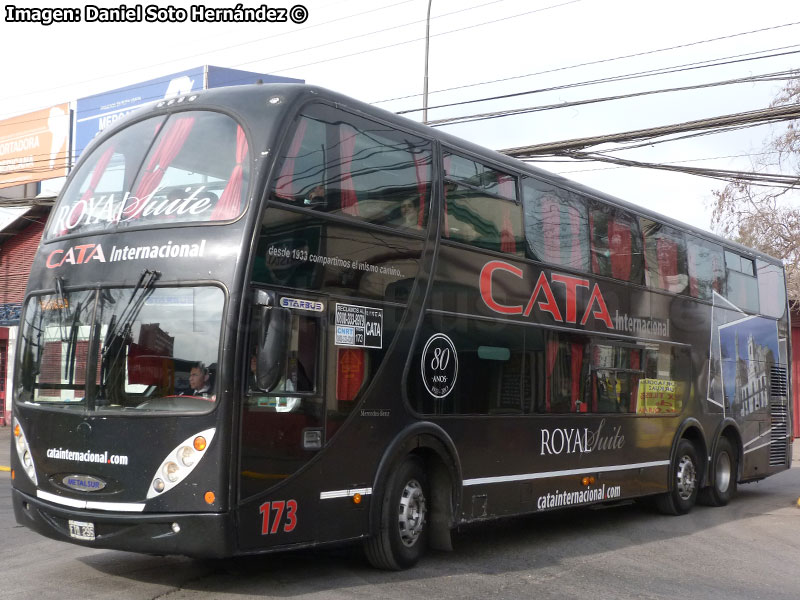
(728, 60)
(752, 177)
(778, 76)
(708, 125)
(596, 62)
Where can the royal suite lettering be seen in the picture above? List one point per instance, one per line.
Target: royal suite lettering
(106, 209)
(574, 440)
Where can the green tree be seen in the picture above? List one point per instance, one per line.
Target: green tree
(765, 217)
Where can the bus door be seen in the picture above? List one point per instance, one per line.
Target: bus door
(282, 421)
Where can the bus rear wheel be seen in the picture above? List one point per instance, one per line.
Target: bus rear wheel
(685, 481)
(723, 483)
(403, 533)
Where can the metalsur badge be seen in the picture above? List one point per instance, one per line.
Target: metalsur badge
(439, 365)
(84, 483)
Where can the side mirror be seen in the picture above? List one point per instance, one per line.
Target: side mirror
(273, 340)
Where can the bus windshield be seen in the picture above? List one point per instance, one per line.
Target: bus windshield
(188, 167)
(152, 349)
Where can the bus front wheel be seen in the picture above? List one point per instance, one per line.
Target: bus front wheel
(402, 536)
(685, 481)
(723, 483)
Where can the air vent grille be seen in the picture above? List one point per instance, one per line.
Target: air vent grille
(780, 420)
(778, 382)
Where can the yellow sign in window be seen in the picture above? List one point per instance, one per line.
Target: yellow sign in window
(659, 396)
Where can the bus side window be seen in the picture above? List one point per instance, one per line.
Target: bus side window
(556, 225)
(771, 289)
(301, 364)
(741, 287)
(481, 206)
(706, 268)
(616, 244)
(556, 372)
(665, 257)
(616, 373)
(490, 374)
(667, 371)
(342, 164)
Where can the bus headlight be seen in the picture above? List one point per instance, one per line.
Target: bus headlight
(186, 456)
(24, 453)
(177, 465)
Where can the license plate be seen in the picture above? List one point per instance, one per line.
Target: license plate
(80, 530)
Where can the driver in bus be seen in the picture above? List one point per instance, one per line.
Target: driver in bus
(200, 380)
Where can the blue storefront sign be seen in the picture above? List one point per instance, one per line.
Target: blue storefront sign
(95, 113)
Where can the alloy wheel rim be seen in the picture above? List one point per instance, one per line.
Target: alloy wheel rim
(723, 472)
(412, 510)
(687, 477)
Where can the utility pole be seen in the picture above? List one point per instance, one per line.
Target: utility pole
(425, 83)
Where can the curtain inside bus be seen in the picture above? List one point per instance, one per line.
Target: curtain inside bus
(341, 164)
(148, 174)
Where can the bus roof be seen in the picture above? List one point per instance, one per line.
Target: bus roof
(249, 99)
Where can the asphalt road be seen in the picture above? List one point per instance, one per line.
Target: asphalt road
(749, 549)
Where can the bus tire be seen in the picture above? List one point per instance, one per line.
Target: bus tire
(725, 467)
(403, 533)
(684, 483)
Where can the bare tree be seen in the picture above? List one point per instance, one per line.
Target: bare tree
(768, 218)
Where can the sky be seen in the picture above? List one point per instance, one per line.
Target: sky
(375, 51)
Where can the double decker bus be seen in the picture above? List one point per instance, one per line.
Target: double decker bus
(270, 317)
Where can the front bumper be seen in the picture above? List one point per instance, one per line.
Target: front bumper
(201, 535)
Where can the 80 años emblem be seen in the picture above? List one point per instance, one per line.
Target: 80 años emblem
(439, 365)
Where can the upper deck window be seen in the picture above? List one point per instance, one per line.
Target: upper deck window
(616, 243)
(665, 257)
(188, 167)
(706, 268)
(342, 164)
(742, 288)
(481, 206)
(556, 225)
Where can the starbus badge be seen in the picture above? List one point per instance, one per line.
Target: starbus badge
(84, 483)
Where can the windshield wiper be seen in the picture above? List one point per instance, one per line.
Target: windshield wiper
(128, 315)
(72, 344)
(119, 328)
(62, 306)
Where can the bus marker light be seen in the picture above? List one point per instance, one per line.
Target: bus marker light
(199, 443)
(17, 430)
(14, 476)
(356, 498)
(158, 485)
(210, 497)
(176, 528)
(588, 480)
